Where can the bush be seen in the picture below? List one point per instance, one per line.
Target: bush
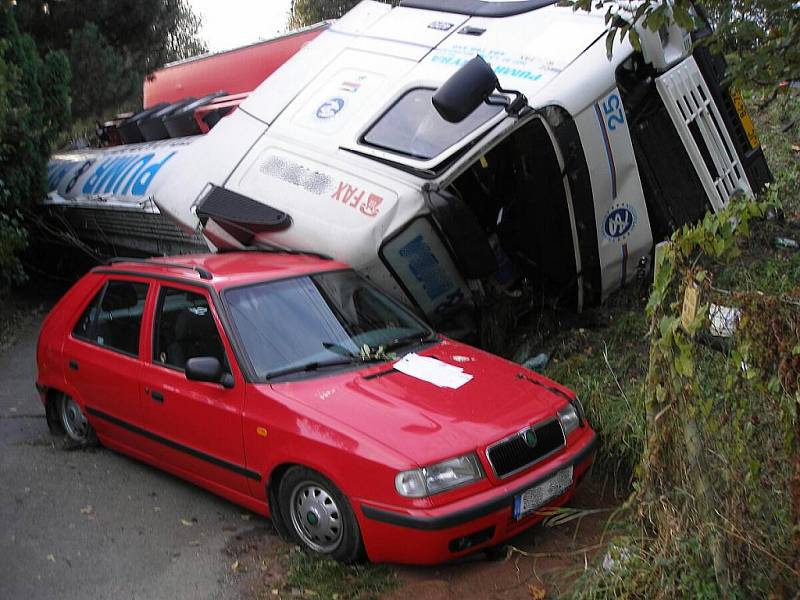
(715, 511)
(34, 106)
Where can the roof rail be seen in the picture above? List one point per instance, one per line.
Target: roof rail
(204, 274)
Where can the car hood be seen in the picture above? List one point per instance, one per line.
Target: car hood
(427, 423)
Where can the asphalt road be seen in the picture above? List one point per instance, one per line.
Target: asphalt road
(95, 524)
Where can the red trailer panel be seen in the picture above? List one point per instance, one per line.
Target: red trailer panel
(235, 71)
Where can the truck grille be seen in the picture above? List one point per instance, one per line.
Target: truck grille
(701, 127)
(514, 453)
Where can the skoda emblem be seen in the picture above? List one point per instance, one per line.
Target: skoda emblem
(530, 438)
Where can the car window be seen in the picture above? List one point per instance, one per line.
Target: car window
(113, 319)
(413, 127)
(83, 328)
(316, 318)
(184, 329)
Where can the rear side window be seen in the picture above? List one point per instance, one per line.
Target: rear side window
(83, 328)
(114, 317)
(184, 329)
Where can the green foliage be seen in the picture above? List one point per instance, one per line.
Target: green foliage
(95, 61)
(713, 509)
(112, 45)
(317, 577)
(13, 240)
(680, 571)
(760, 37)
(34, 105)
(608, 376)
(308, 12)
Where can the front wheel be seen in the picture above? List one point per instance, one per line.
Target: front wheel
(76, 426)
(319, 516)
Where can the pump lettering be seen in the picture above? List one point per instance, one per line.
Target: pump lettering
(121, 174)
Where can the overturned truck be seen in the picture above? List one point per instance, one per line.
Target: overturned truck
(449, 150)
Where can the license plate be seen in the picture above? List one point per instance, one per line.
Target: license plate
(744, 117)
(537, 496)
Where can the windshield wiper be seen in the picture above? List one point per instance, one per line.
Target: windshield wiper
(310, 366)
(340, 350)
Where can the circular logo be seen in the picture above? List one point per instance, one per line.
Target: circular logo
(620, 221)
(330, 108)
(530, 438)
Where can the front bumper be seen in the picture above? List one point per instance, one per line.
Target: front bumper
(486, 519)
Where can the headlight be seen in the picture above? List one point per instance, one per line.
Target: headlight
(570, 420)
(442, 476)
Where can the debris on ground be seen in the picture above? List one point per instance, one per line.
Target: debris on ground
(537, 363)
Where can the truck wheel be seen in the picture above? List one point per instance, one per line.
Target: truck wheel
(76, 426)
(319, 516)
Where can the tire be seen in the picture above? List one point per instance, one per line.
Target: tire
(79, 432)
(318, 516)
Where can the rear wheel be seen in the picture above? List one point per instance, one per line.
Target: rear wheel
(319, 516)
(73, 420)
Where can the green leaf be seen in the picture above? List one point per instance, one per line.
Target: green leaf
(610, 42)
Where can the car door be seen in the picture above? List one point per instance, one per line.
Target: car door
(103, 359)
(196, 426)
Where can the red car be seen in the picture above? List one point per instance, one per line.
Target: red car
(289, 385)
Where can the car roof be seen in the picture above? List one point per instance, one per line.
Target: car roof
(226, 269)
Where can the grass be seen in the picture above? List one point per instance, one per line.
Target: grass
(760, 268)
(311, 576)
(606, 367)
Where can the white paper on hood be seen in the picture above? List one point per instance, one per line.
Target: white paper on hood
(432, 370)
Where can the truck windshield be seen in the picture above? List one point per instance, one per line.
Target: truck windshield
(324, 320)
(413, 127)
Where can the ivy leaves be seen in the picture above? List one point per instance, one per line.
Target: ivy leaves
(760, 38)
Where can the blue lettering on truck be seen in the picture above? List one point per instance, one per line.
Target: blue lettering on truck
(128, 174)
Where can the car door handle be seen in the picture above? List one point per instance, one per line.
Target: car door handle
(157, 396)
(73, 364)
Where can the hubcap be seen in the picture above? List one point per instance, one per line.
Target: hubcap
(74, 421)
(315, 517)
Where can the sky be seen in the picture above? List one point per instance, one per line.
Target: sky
(232, 23)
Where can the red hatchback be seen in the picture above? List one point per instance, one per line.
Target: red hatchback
(290, 385)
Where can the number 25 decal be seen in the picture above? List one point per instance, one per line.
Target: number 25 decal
(615, 115)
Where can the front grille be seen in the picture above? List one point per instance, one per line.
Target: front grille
(514, 454)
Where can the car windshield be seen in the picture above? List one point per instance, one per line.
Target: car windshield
(323, 320)
(414, 128)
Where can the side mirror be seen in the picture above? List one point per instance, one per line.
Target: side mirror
(209, 369)
(466, 89)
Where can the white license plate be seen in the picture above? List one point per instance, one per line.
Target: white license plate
(538, 495)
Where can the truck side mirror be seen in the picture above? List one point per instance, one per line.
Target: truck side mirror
(465, 90)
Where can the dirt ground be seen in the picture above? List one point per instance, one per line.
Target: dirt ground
(540, 563)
